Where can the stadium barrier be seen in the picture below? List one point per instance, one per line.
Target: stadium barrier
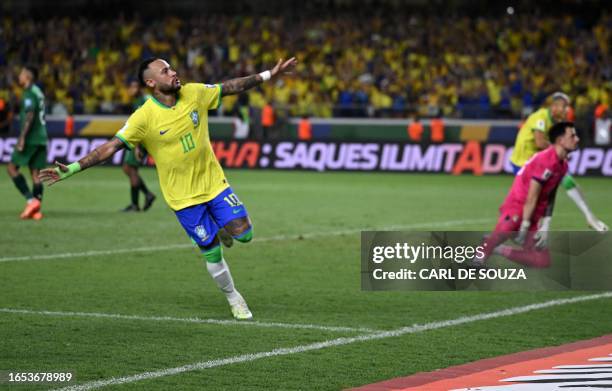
(470, 157)
(337, 129)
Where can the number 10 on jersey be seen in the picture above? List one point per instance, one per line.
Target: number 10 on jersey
(187, 142)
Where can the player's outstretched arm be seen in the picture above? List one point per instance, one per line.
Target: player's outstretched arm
(52, 175)
(241, 84)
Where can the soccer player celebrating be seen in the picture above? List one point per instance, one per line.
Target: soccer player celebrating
(31, 147)
(531, 138)
(132, 159)
(529, 204)
(173, 127)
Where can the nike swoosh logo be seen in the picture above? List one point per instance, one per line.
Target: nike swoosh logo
(236, 211)
(162, 132)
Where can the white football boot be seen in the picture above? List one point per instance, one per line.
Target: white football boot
(240, 310)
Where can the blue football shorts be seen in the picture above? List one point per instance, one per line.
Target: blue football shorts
(202, 221)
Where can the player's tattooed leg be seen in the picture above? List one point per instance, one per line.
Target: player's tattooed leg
(225, 237)
(241, 229)
(207, 249)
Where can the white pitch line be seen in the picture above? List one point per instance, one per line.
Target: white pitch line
(331, 343)
(190, 320)
(93, 253)
(442, 224)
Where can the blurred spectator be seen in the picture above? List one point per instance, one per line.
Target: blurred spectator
(415, 129)
(305, 129)
(370, 61)
(601, 111)
(437, 129)
(267, 120)
(69, 126)
(571, 114)
(242, 119)
(6, 116)
(603, 125)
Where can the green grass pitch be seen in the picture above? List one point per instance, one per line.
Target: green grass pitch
(302, 268)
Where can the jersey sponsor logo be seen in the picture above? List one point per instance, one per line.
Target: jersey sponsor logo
(201, 232)
(28, 102)
(210, 85)
(162, 132)
(546, 174)
(195, 118)
(540, 125)
(236, 211)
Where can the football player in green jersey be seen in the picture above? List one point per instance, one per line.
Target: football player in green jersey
(133, 158)
(31, 147)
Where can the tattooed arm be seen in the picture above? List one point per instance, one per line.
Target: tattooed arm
(101, 153)
(241, 84)
(98, 155)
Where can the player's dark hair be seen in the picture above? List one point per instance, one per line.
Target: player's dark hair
(558, 130)
(33, 70)
(142, 68)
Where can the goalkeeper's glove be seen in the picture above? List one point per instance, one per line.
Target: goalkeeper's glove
(541, 236)
(522, 234)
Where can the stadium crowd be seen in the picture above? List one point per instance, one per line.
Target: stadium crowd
(350, 65)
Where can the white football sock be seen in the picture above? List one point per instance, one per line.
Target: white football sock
(577, 197)
(220, 272)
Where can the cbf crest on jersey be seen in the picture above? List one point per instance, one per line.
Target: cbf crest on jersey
(195, 118)
(201, 232)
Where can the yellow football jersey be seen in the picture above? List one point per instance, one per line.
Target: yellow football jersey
(177, 138)
(525, 146)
